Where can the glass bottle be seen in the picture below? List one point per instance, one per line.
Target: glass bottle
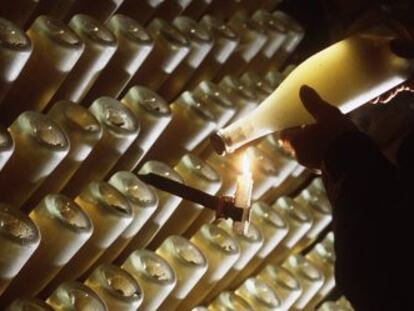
(167, 203)
(250, 244)
(101, 12)
(144, 203)
(171, 47)
(320, 208)
(229, 301)
(221, 251)
(120, 129)
(259, 295)
(134, 45)
(277, 34)
(64, 228)
(75, 296)
(40, 145)
(58, 9)
(274, 77)
(110, 214)
(310, 277)
(375, 69)
(153, 114)
(100, 45)
(201, 42)
(192, 122)
(170, 9)
(116, 287)
(283, 282)
(189, 264)
(273, 228)
(15, 51)
(197, 174)
(217, 100)
(19, 238)
(262, 87)
(252, 39)
(31, 304)
(83, 132)
(6, 146)
(300, 222)
(243, 95)
(142, 11)
(225, 43)
(196, 8)
(56, 49)
(155, 276)
(18, 12)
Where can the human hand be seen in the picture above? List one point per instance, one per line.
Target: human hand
(309, 143)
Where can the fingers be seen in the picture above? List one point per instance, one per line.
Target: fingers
(316, 106)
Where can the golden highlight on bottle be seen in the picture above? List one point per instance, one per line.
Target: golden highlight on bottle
(229, 301)
(40, 145)
(243, 95)
(19, 238)
(100, 45)
(15, 50)
(155, 276)
(249, 243)
(192, 122)
(116, 287)
(134, 45)
(273, 228)
(120, 129)
(225, 43)
(221, 251)
(153, 115)
(110, 214)
(143, 201)
(141, 11)
(259, 295)
(283, 282)
(217, 100)
(75, 296)
(189, 264)
(197, 174)
(56, 49)
(64, 229)
(167, 203)
(170, 48)
(83, 132)
(24, 304)
(6, 146)
(201, 42)
(310, 277)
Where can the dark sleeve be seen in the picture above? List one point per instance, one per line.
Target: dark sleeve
(405, 159)
(362, 186)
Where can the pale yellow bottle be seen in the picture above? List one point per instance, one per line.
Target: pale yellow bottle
(259, 295)
(19, 238)
(283, 282)
(75, 296)
(155, 276)
(116, 287)
(64, 228)
(31, 304)
(144, 202)
(250, 243)
(197, 174)
(228, 301)
(189, 264)
(362, 65)
(309, 275)
(221, 251)
(273, 228)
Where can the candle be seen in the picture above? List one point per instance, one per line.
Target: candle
(243, 196)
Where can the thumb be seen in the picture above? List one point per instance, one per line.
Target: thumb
(316, 106)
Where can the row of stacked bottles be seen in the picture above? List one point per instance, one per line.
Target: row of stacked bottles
(94, 94)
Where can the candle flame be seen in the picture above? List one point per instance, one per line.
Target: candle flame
(246, 164)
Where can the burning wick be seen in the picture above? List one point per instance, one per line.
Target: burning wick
(243, 196)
